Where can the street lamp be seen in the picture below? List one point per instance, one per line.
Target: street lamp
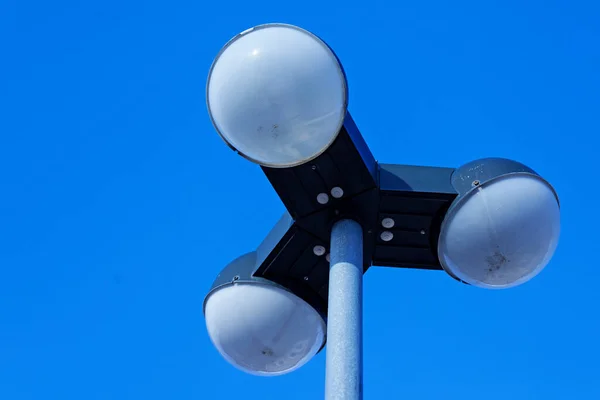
(278, 96)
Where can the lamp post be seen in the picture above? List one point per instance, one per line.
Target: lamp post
(278, 96)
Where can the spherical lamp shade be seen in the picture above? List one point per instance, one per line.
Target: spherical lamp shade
(277, 94)
(502, 233)
(263, 329)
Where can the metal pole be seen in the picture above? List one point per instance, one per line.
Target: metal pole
(343, 372)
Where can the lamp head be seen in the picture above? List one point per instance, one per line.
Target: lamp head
(258, 326)
(277, 94)
(503, 228)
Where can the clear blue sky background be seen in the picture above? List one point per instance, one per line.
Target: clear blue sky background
(119, 203)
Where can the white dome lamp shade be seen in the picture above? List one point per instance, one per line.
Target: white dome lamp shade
(259, 326)
(277, 95)
(503, 228)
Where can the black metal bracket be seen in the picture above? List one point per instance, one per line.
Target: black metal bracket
(415, 198)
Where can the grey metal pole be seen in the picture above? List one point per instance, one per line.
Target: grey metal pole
(343, 368)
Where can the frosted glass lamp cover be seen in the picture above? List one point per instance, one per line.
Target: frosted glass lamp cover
(263, 329)
(502, 233)
(277, 94)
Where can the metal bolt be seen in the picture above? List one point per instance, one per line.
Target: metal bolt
(306, 278)
(476, 183)
(314, 167)
(423, 231)
(323, 198)
(386, 236)
(319, 250)
(337, 192)
(235, 278)
(388, 223)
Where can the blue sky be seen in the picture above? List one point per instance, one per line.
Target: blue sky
(119, 203)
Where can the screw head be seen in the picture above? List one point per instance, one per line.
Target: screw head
(337, 192)
(386, 236)
(388, 223)
(319, 250)
(323, 198)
